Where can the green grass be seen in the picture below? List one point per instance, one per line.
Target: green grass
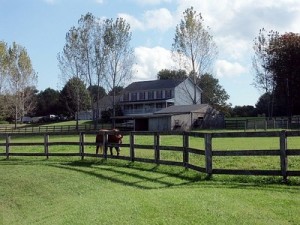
(64, 190)
(118, 192)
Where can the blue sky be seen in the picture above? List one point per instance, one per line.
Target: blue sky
(41, 25)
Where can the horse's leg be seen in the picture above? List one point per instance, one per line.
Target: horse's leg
(97, 149)
(111, 150)
(118, 149)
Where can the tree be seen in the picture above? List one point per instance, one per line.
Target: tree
(281, 61)
(193, 47)
(213, 93)
(96, 92)
(74, 97)
(244, 111)
(120, 56)
(20, 76)
(48, 102)
(3, 64)
(98, 52)
(78, 58)
(117, 90)
(284, 64)
(166, 74)
(263, 78)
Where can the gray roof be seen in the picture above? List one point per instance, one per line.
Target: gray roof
(152, 85)
(181, 109)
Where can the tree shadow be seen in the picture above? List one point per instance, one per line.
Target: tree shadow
(149, 176)
(152, 176)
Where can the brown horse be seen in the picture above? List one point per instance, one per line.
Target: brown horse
(113, 137)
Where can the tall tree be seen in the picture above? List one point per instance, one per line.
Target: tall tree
(98, 52)
(263, 78)
(3, 64)
(20, 76)
(120, 56)
(282, 63)
(193, 47)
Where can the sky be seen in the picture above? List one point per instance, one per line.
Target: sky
(41, 26)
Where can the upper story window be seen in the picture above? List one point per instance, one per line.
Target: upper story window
(133, 96)
(126, 97)
(159, 94)
(168, 93)
(150, 95)
(142, 96)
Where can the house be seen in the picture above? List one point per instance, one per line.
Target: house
(148, 97)
(163, 105)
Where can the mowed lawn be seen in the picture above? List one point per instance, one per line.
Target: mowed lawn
(66, 190)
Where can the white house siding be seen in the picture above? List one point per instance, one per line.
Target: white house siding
(184, 93)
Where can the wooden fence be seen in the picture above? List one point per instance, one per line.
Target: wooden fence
(208, 152)
(262, 124)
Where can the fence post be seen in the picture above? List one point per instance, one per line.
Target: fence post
(105, 148)
(283, 156)
(185, 150)
(7, 146)
(156, 147)
(208, 154)
(131, 142)
(46, 145)
(81, 145)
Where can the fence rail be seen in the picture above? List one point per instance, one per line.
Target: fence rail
(208, 152)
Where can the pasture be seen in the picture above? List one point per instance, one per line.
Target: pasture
(66, 190)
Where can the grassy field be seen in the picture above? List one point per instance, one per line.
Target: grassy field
(93, 191)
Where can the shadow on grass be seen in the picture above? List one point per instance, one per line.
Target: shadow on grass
(152, 176)
(149, 176)
(129, 175)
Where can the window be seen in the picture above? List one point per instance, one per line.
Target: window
(151, 95)
(168, 93)
(159, 94)
(126, 97)
(142, 96)
(133, 96)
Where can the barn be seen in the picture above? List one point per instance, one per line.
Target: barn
(186, 117)
(179, 118)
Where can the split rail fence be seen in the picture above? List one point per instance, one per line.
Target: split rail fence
(207, 151)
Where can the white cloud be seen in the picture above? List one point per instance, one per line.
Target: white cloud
(134, 23)
(228, 69)
(99, 1)
(150, 61)
(233, 48)
(160, 19)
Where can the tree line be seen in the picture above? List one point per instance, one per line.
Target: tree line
(276, 63)
(97, 60)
